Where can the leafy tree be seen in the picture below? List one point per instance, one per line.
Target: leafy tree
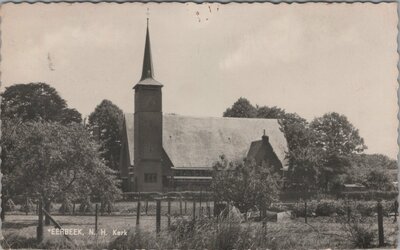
(303, 169)
(332, 170)
(35, 102)
(245, 184)
(105, 123)
(241, 108)
(338, 140)
(378, 180)
(54, 161)
(363, 164)
(336, 135)
(270, 112)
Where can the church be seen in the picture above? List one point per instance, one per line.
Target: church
(168, 152)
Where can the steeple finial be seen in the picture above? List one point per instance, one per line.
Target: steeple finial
(147, 71)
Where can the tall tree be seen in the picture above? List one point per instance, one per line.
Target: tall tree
(105, 123)
(378, 179)
(338, 140)
(336, 135)
(52, 160)
(241, 108)
(35, 102)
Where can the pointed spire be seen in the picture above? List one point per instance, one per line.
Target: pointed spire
(147, 71)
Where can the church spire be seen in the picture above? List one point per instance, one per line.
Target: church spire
(147, 77)
(147, 71)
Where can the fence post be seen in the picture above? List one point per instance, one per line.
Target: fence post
(305, 211)
(169, 213)
(180, 206)
(194, 210)
(96, 218)
(158, 215)
(264, 216)
(147, 205)
(138, 213)
(200, 207)
(380, 225)
(73, 209)
(185, 207)
(396, 209)
(39, 229)
(348, 213)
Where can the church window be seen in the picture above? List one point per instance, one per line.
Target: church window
(150, 177)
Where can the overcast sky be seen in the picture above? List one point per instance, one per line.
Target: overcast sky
(305, 58)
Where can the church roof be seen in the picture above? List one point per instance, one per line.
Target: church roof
(198, 142)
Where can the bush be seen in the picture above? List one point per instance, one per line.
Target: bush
(366, 209)
(359, 232)
(56, 243)
(325, 208)
(9, 206)
(299, 208)
(363, 236)
(86, 206)
(66, 207)
(276, 207)
(28, 206)
(330, 207)
(136, 239)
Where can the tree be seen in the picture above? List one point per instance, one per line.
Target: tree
(338, 140)
(241, 108)
(270, 112)
(336, 135)
(378, 180)
(363, 164)
(245, 184)
(105, 123)
(35, 102)
(52, 160)
(303, 169)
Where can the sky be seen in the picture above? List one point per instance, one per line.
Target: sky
(306, 58)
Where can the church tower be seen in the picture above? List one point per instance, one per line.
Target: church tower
(148, 147)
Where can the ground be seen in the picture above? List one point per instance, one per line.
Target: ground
(19, 229)
(319, 232)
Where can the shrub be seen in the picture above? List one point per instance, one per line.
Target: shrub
(66, 207)
(136, 239)
(366, 209)
(226, 235)
(325, 208)
(299, 208)
(359, 229)
(56, 243)
(276, 207)
(9, 206)
(28, 206)
(330, 207)
(86, 206)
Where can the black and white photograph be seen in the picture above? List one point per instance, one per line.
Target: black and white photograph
(199, 126)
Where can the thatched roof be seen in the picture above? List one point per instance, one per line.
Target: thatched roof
(198, 142)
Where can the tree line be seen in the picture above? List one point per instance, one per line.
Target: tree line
(325, 153)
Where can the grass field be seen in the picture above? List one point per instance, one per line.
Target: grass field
(19, 231)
